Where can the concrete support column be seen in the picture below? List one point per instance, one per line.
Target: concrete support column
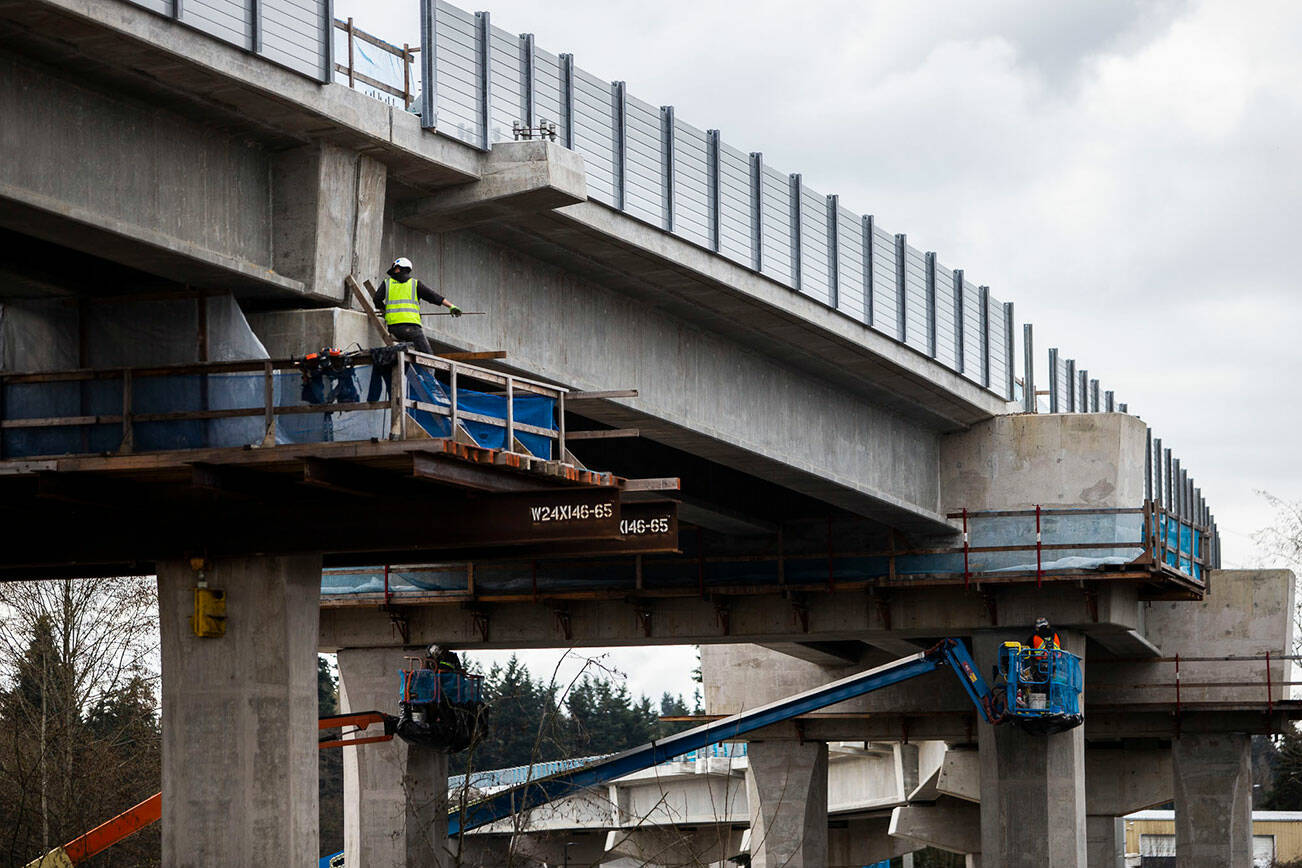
(239, 715)
(1213, 800)
(1105, 842)
(395, 796)
(1032, 786)
(327, 217)
(786, 789)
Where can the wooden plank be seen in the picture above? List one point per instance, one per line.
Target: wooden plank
(370, 82)
(60, 421)
(331, 408)
(373, 40)
(387, 452)
(448, 471)
(368, 308)
(609, 393)
(669, 483)
(607, 434)
(473, 357)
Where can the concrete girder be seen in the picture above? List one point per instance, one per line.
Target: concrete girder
(670, 847)
(190, 73)
(1119, 781)
(700, 390)
(530, 849)
(959, 775)
(864, 841)
(833, 616)
(626, 253)
(821, 653)
(947, 824)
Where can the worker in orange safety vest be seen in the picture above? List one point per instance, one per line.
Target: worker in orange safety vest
(1044, 636)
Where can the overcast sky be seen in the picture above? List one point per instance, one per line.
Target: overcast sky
(1126, 173)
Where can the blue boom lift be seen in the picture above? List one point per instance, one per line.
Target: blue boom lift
(1036, 688)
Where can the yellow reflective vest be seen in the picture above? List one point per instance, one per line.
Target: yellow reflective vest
(401, 304)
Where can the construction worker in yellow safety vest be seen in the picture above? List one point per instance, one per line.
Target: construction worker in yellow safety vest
(398, 300)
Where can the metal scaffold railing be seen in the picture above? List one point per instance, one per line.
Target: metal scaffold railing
(1143, 544)
(265, 402)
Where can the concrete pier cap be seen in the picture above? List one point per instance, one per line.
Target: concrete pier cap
(1045, 459)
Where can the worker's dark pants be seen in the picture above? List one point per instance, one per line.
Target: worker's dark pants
(413, 334)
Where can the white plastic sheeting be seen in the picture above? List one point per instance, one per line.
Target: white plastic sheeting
(50, 334)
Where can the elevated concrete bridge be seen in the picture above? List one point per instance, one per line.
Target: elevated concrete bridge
(168, 198)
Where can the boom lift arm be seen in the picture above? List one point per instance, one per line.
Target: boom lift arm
(948, 652)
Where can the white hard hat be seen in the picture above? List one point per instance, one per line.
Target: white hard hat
(401, 262)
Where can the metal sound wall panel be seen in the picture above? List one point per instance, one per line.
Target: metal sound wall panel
(296, 34)
(814, 246)
(644, 186)
(228, 20)
(998, 350)
(849, 264)
(946, 339)
(691, 185)
(459, 87)
(915, 299)
(547, 89)
(1063, 384)
(971, 329)
(886, 289)
(506, 91)
(734, 205)
(776, 240)
(594, 134)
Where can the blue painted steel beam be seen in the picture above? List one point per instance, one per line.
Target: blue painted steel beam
(530, 795)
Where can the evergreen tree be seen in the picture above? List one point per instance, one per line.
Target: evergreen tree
(672, 706)
(330, 766)
(1286, 793)
(80, 737)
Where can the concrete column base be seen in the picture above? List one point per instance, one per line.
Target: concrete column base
(239, 715)
(395, 796)
(1032, 786)
(1213, 800)
(1105, 842)
(786, 788)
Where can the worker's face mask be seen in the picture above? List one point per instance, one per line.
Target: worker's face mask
(401, 274)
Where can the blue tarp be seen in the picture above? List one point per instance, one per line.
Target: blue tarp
(535, 410)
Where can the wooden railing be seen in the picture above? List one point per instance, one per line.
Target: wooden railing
(405, 54)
